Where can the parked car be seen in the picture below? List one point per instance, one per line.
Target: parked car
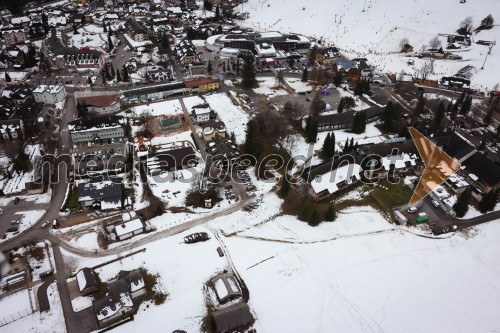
(435, 203)
(1, 210)
(44, 274)
(45, 224)
(412, 210)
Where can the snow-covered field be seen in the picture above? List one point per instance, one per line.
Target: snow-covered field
(165, 108)
(298, 85)
(377, 31)
(183, 270)
(269, 87)
(40, 322)
(233, 116)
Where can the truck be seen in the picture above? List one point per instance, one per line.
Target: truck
(422, 218)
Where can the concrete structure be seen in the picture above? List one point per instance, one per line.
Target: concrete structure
(49, 94)
(100, 192)
(95, 129)
(100, 102)
(15, 35)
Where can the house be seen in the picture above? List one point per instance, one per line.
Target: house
(87, 281)
(101, 192)
(482, 173)
(135, 282)
(201, 113)
(202, 85)
(226, 287)
(95, 129)
(187, 53)
(116, 305)
(213, 129)
(20, 21)
(341, 176)
(343, 120)
(129, 229)
(46, 117)
(349, 68)
(15, 35)
(232, 317)
(11, 129)
(49, 94)
(171, 160)
(160, 74)
(327, 55)
(99, 102)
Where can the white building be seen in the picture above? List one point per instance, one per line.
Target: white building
(49, 94)
(201, 114)
(129, 229)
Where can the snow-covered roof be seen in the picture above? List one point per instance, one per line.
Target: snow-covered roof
(51, 89)
(330, 180)
(201, 111)
(128, 227)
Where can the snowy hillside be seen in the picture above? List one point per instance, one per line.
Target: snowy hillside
(377, 31)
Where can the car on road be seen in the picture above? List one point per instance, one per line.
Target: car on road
(44, 274)
(13, 230)
(412, 210)
(1, 210)
(435, 203)
(16, 200)
(45, 224)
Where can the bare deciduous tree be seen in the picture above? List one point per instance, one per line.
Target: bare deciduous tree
(466, 26)
(403, 42)
(435, 43)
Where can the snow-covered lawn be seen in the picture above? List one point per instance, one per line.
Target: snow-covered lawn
(377, 31)
(233, 116)
(301, 150)
(356, 275)
(40, 322)
(298, 85)
(173, 139)
(268, 86)
(80, 303)
(15, 306)
(88, 241)
(164, 108)
(183, 271)
(191, 101)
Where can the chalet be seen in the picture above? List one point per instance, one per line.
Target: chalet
(327, 55)
(135, 282)
(160, 74)
(340, 177)
(87, 281)
(201, 113)
(187, 53)
(348, 68)
(116, 305)
(482, 173)
(212, 129)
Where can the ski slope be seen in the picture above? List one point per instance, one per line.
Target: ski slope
(376, 32)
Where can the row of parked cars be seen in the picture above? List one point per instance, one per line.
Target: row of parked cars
(98, 154)
(243, 175)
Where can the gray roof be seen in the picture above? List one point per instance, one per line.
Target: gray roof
(95, 189)
(232, 317)
(90, 278)
(112, 298)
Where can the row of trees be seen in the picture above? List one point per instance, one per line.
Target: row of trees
(346, 103)
(486, 204)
